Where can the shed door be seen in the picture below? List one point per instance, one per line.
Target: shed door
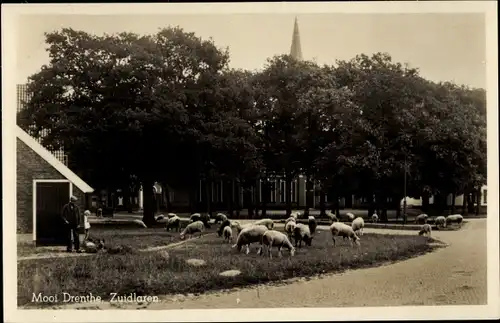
(50, 199)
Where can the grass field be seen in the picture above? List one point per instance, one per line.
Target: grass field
(154, 273)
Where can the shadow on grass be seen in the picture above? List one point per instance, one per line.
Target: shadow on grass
(153, 273)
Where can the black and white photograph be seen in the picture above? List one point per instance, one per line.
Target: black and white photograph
(251, 161)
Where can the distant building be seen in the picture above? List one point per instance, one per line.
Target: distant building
(22, 96)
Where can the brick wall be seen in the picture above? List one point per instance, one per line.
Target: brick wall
(31, 166)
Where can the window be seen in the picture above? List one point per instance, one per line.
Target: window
(485, 197)
(217, 193)
(272, 191)
(294, 191)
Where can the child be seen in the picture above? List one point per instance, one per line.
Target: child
(86, 224)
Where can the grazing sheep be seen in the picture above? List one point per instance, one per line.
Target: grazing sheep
(272, 238)
(173, 223)
(375, 218)
(239, 226)
(454, 218)
(192, 228)
(171, 215)
(358, 224)
(426, 229)
(290, 219)
(295, 214)
(304, 233)
(228, 234)
(224, 224)
(139, 223)
(249, 235)
(267, 222)
(422, 218)
(332, 217)
(440, 222)
(350, 216)
(91, 246)
(220, 217)
(159, 217)
(290, 228)
(195, 217)
(343, 230)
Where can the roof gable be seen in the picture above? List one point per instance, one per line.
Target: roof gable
(52, 160)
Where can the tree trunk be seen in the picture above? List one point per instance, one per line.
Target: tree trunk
(192, 197)
(383, 213)
(371, 205)
(256, 198)
(230, 197)
(248, 200)
(452, 207)
(148, 216)
(309, 195)
(337, 205)
(208, 196)
(322, 201)
(470, 201)
(126, 199)
(397, 204)
(425, 202)
(478, 201)
(465, 200)
(265, 197)
(237, 190)
(288, 194)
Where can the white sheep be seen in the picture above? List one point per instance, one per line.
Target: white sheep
(192, 228)
(422, 218)
(195, 217)
(220, 217)
(350, 216)
(426, 229)
(357, 225)
(139, 223)
(228, 234)
(250, 235)
(267, 222)
(339, 229)
(290, 228)
(290, 219)
(171, 215)
(332, 217)
(173, 223)
(304, 233)
(295, 214)
(454, 218)
(374, 217)
(239, 226)
(272, 238)
(440, 221)
(224, 224)
(159, 217)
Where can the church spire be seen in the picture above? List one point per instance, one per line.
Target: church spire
(295, 50)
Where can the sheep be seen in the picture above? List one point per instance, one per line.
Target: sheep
(224, 224)
(238, 226)
(358, 224)
(195, 217)
(426, 229)
(228, 234)
(205, 218)
(422, 218)
(440, 221)
(343, 230)
(250, 235)
(290, 219)
(272, 238)
(90, 246)
(171, 215)
(304, 232)
(350, 216)
(173, 223)
(454, 218)
(267, 222)
(295, 215)
(375, 218)
(290, 228)
(332, 217)
(159, 217)
(192, 228)
(220, 217)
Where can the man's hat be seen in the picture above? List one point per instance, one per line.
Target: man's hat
(73, 198)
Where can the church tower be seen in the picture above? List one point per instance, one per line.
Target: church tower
(296, 50)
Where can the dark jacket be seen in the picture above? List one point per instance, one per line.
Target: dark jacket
(71, 214)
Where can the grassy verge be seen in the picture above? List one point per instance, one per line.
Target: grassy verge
(153, 273)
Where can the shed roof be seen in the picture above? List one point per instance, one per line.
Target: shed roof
(52, 160)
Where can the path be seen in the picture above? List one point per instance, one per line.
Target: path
(454, 275)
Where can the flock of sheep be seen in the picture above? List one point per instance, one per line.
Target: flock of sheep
(263, 233)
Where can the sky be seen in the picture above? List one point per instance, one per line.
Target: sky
(445, 47)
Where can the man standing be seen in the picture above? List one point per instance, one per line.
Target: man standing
(71, 218)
